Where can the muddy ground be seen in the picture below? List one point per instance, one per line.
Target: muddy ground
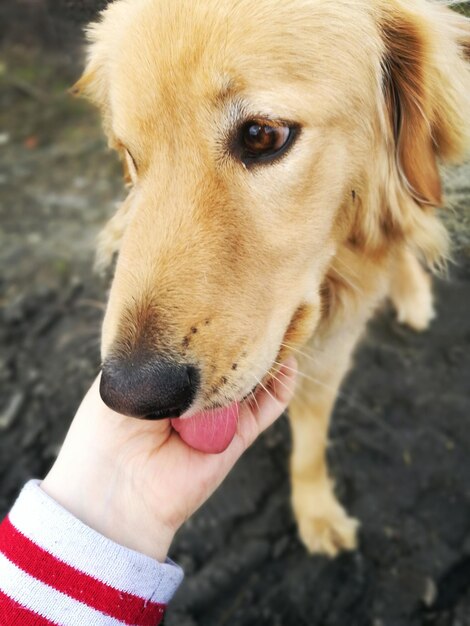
(401, 428)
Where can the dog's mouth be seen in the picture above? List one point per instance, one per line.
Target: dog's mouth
(211, 430)
(163, 414)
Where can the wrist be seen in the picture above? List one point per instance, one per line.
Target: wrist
(99, 500)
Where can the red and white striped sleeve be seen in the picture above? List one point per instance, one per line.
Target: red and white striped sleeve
(56, 570)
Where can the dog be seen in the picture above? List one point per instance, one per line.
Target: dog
(282, 160)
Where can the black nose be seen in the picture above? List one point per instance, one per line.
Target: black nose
(151, 388)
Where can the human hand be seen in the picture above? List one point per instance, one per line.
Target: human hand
(137, 481)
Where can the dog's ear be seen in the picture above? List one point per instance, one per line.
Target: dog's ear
(426, 83)
(424, 119)
(94, 82)
(93, 85)
(84, 87)
(409, 105)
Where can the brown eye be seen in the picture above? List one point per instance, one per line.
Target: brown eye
(261, 141)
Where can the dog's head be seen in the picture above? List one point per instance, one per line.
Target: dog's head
(259, 137)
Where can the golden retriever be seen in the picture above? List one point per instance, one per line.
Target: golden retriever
(282, 157)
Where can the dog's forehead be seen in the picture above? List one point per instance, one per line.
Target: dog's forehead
(187, 51)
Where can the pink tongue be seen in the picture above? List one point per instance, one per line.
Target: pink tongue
(209, 431)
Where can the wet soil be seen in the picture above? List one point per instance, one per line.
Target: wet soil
(400, 434)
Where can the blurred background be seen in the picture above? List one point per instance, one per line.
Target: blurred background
(401, 431)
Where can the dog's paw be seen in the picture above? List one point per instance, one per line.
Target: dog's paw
(411, 294)
(417, 312)
(329, 532)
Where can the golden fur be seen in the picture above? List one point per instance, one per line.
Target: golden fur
(234, 268)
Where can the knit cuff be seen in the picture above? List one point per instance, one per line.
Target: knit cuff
(58, 567)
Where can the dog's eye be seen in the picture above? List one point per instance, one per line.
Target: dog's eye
(263, 141)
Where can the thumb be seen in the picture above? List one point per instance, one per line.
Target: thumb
(269, 402)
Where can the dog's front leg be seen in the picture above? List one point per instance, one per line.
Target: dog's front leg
(324, 526)
(411, 291)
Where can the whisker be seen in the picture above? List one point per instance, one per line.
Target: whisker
(348, 280)
(266, 390)
(346, 398)
(289, 345)
(280, 381)
(307, 377)
(359, 406)
(93, 304)
(344, 264)
(213, 427)
(304, 354)
(255, 400)
(310, 378)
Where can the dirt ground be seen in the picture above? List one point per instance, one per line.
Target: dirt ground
(401, 430)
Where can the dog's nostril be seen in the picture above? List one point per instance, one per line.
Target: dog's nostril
(150, 388)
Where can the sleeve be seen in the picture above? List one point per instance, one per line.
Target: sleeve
(56, 570)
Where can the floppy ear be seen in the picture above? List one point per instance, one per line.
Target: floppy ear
(424, 119)
(427, 91)
(84, 87)
(409, 103)
(94, 86)
(95, 80)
